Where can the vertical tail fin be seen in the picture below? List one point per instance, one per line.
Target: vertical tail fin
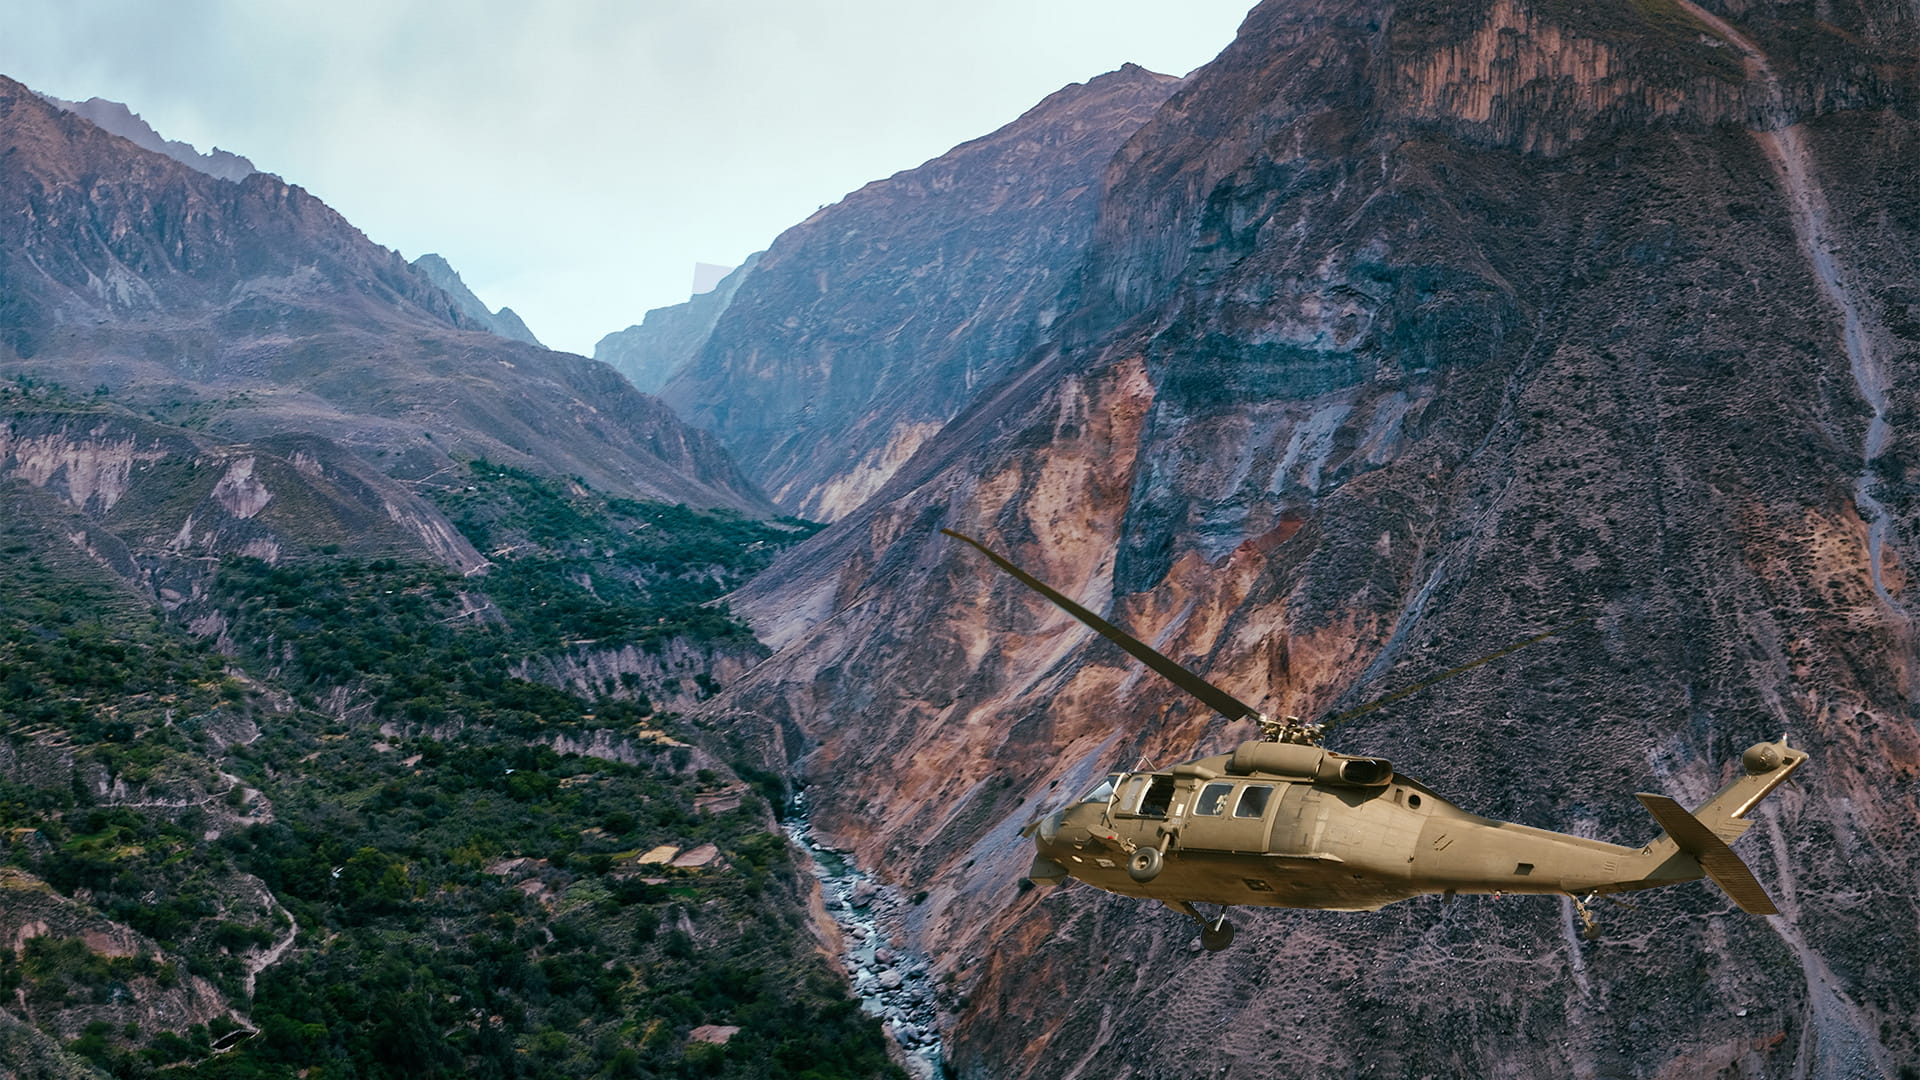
(1712, 853)
(1705, 833)
(1764, 766)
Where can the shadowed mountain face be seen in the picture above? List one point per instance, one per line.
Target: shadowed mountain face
(653, 350)
(1409, 331)
(250, 309)
(503, 322)
(124, 122)
(866, 327)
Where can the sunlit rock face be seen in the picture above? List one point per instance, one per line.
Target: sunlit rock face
(868, 326)
(249, 309)
(1409, 331)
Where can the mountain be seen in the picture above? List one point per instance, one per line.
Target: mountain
(1406, 332)
(117, 118)
(649, 353)
(345, 652)
(868, 326)
(254, 309)
(503, 322)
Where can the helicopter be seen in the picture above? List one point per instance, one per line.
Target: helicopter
(1284, 822)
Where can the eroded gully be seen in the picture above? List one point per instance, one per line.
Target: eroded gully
(1841, 1042)
(1786, 147)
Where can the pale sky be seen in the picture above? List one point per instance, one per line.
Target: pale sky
(573, 159)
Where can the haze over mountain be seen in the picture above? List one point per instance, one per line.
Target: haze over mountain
(1403, 332)
(866, 327)
(256, 305)
(503, 322)
(115, 117)
(666, 339)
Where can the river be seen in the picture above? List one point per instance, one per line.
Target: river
(891, 982)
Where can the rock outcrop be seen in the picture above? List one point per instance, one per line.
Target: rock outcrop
(871, 324)
(652, 351)
(1409, 331)
(504, 322)
(117, 118)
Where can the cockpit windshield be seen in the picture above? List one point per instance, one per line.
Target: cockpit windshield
(1103, 791)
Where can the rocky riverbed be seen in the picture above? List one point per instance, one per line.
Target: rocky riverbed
(891, 982)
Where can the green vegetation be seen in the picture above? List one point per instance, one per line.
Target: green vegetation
(462, 899)
(573, 566)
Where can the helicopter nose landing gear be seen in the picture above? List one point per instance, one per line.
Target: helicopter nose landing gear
(1145, 864)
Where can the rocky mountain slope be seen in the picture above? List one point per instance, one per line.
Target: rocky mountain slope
(343, 652)
(1408, 331)
(503, 322)
(871, 324)
(651, 351)
(250, 309)
(115, 117)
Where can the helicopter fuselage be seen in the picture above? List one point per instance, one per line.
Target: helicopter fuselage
(1274, 825)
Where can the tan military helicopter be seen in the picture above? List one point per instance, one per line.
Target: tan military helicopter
(1282, 822)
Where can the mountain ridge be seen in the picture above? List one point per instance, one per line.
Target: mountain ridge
(824, 410)
(1360, 386)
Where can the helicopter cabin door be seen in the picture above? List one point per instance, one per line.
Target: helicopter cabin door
(1233, 815)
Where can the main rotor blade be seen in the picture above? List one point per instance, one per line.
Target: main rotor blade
(1217, 699)
(1445, 675)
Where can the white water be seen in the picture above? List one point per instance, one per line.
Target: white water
(868, 914)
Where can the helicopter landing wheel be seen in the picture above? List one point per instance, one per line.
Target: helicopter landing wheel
(1589, 926)
(1145, 864)
(1216, 935)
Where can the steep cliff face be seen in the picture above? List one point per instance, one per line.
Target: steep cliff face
(157, 504)
(251, 309)
(1411, 330)
(871, 324)
(650, 352)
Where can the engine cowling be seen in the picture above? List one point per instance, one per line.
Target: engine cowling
(1300, 762)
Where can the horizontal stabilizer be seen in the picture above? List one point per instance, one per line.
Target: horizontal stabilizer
(1712, 853)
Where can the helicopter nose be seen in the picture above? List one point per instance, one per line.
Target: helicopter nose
(1044, 870)
(1049, 829)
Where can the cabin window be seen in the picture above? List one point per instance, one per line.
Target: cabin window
(1253, 801)
(1413, 801)
(1103, 791)
(1159, 796)
(1213, 800)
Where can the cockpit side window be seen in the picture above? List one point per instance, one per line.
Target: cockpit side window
(1103, 791)
(1213, 800)
(1158, 798)
(1253, 801)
